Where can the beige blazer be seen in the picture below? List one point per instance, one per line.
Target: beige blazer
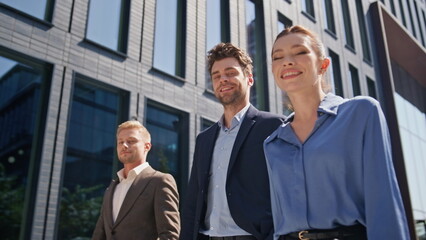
(149, 211)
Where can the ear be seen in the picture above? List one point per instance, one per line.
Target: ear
(324, 65)
(250, 81)
(147, 146)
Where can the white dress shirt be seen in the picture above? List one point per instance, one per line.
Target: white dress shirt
(123, 187)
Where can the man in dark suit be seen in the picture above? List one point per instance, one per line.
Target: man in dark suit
(228, 194)
(144, 203)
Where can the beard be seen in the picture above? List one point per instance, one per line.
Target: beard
(127, 159)
(232, 98)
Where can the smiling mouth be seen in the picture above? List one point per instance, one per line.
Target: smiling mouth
(290, 74)
(225, 89)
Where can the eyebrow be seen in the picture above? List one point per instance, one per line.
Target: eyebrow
(292, 47)
(226, 69)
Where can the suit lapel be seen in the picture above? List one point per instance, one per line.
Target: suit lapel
(207, 150)
(138, 186)
(108, 202)
(246, 125)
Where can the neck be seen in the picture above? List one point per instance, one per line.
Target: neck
(306, 105)
(129, 166)
(230, 111)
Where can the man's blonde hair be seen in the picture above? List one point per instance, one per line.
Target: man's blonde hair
(135, 124)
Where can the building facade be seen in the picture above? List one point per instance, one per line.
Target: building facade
(72, 70)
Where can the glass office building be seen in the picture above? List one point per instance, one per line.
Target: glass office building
(71, 71)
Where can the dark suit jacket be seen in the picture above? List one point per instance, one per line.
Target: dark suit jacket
(247, 183)
(149, 211)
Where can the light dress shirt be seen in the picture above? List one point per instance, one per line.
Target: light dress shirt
(218, 221)
(122, 188)
(341, 175)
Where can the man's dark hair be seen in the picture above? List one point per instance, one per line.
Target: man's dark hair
(226, 50)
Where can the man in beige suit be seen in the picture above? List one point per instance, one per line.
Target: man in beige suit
(143, 203)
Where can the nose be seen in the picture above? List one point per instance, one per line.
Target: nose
(125, 145)
(287, 61)
(224, 78)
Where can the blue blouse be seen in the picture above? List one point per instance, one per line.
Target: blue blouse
(341, 175)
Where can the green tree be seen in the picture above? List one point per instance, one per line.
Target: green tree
(79, 212)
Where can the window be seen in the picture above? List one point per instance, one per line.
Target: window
(353, 76)
(410, 14)
(363, 32)
(107, 23)
(283, 22)
(169, 137)
(41, 9)
(308, 9)
(256, 50)
(392, 7)
(330, 25)
(90, 159)
(217, 27)
(348, 26)
(169, 42)
(401, 8)
(371, 88)
(419, 23)
(205, 124)
(217, 22)
(336, 76)
(24, 88)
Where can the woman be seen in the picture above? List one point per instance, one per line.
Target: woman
(330, 165)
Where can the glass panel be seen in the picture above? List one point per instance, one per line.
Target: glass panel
(353, 75)
(213, 23)
(336, 76)
(36, 8)
(164, 137)
(363, 32)
(410, 15)
(419, 23)
(256, 50)
(401, 8)
(20, 140)
(412, 126)
(206, 124)
(90, 156)
(329, 13)
(347, 25)
(217, 27)
(104, 23)
(371, 88)
(283, 22)
(165, 36)
(308, 7)
(168, 129)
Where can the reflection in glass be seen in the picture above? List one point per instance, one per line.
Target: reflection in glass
(36, 8)
(168, 128)
(169, 37)
(412, 129)
(349, 37)
(217, 30)
(107, 23)
(213, 30)
(90, 157)
(329, 16)
(20, 112)
(163, 127)
(256, 50)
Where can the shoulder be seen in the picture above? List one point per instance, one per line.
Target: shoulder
(362, 103)
(262, 115)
